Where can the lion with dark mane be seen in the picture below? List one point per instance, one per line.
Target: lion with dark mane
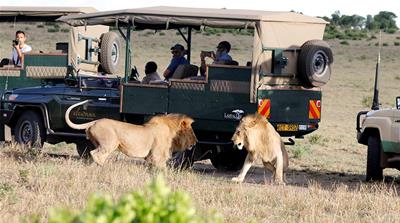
(155, 141)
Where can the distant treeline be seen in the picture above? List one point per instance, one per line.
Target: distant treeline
(356, 27)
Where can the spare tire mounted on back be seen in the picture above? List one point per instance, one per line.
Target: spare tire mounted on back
(314, 63)
(110, 52)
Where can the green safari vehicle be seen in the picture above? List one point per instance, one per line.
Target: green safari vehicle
(289, 64)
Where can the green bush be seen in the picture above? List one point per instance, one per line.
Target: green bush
(397, 43)
(385, 44)
(157, 203)
(40, 26)
(391, 31)
(366, 101)
(64, 30)
(299, 150)
(53, 30)
(344, 42)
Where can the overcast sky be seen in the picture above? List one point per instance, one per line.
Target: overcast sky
(308, 7)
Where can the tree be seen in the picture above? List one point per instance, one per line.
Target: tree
(385, 20)
(336, 18)
(369, 24)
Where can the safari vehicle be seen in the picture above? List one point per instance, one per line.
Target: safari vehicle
(290, 63)
(39, 65)
(42, 66)
(379, 129)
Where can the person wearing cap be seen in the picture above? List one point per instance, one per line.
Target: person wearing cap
(178, 52)
(220, 56)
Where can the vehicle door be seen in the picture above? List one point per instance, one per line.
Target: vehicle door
(104, 104)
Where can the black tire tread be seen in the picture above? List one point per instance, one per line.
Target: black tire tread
(38, 128)
(374, 169)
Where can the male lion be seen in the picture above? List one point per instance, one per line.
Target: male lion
(260, 139)
(154, 141)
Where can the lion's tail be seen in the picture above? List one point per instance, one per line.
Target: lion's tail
(73, 125)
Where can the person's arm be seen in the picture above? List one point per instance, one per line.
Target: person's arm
(171, 67)
(19, 54)
(203, 63)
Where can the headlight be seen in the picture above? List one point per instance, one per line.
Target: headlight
(12, 97)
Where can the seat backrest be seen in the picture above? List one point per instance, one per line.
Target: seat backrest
(231, 62)
(62, 46)
(185, 70)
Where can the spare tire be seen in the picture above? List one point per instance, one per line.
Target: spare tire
(110, 52)
(314, 63)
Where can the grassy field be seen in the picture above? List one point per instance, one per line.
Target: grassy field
(326, 172)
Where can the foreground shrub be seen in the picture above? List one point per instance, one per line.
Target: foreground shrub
(156, 203)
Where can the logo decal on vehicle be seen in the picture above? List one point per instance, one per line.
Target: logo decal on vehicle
(236, 114)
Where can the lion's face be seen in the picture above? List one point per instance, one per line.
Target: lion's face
(247, 123)
(185, 137)
(238, 137)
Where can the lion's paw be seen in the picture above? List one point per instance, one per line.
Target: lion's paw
(237, 180)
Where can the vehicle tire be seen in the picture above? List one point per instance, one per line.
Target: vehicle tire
(314, 63)
(374, 169)
(110, 52)
(229, 159)
(2, 133)
(29, 130)
(83, 148)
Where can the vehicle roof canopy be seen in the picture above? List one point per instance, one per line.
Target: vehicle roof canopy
(28, 13)
(172, 17)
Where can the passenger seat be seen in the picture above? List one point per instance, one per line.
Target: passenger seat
(184, 71)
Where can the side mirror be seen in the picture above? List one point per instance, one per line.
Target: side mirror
(398, 102)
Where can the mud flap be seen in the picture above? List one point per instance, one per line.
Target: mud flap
(5, 133)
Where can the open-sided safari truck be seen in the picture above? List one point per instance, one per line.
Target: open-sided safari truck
(48, 68)
(42, 65)
(289, 64)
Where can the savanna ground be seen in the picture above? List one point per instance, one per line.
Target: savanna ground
(325, 179)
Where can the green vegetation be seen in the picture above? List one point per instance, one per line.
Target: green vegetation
(367, 101)
(53, 30)
(356, 27)
(299, 150)
(157, 203)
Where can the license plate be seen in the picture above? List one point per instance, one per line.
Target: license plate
(287, 127)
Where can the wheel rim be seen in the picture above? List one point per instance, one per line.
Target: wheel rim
(26, 132)
(114, 53)
(320, 61)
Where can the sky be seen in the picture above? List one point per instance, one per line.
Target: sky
(308, 7)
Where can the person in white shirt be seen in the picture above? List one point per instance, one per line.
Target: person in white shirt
(19, 48)
(151, 73)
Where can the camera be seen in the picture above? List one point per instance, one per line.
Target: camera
(15, 42)
(207, 53)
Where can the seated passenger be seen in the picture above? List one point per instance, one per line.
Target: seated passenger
(221, 56)
(151, 73)
(19, 48)
(178, 52)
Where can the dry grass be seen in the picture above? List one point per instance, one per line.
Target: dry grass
(325, 184)
(31, 183)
